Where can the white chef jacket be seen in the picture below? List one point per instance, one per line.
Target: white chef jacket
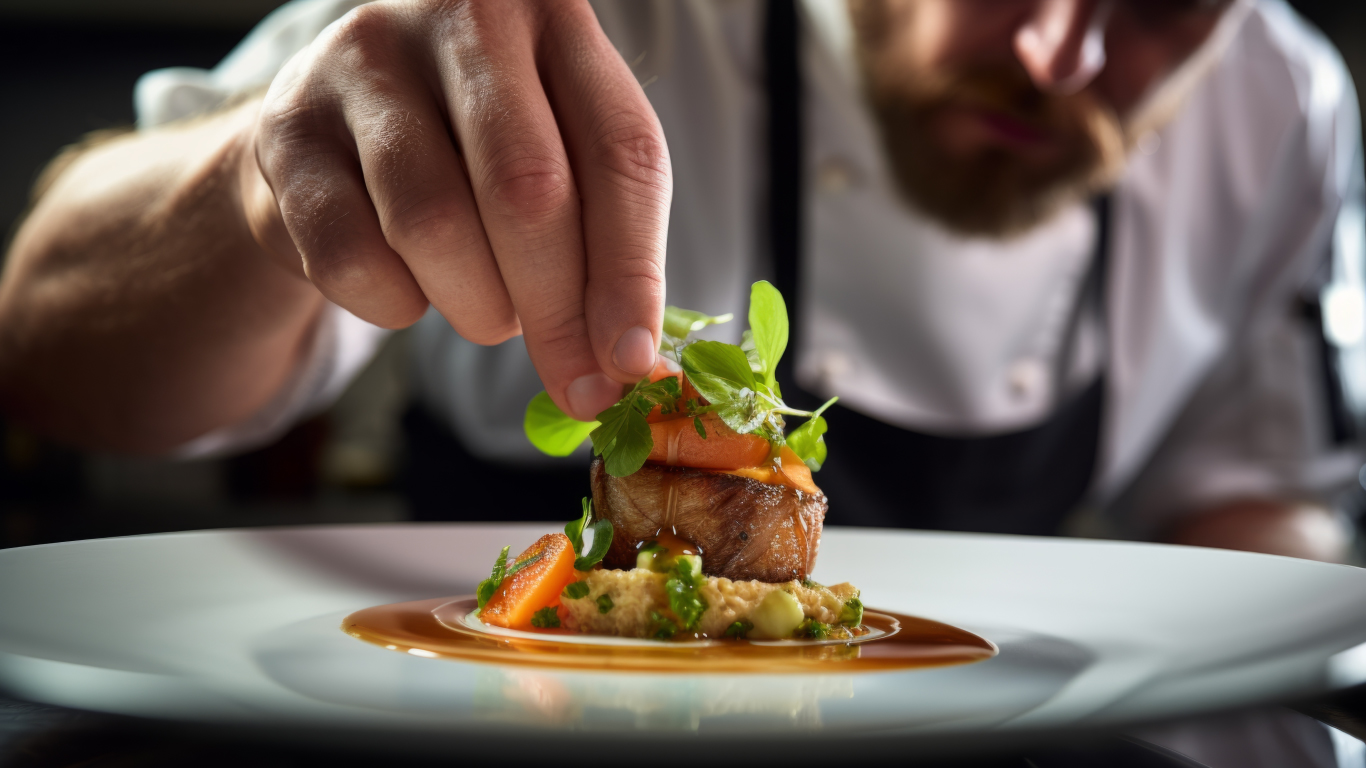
(1244, 205)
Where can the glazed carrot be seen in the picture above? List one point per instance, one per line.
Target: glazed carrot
(676, 442)
(786, 470)
(537, 585)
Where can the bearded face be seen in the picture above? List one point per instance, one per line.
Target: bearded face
(972, 140)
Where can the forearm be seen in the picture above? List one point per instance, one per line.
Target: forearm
(136, 309)
(1293, 529)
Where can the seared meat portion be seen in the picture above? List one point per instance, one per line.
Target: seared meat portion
(746, 529)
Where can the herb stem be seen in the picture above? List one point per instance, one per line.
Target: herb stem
(780, 407)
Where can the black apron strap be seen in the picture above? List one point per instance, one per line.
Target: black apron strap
(881, 475)
(783, 80)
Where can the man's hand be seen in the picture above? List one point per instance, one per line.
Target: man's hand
(496, 159)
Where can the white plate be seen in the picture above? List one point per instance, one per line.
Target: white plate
(242, 628)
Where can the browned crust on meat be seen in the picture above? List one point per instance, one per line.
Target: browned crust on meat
(746, 529)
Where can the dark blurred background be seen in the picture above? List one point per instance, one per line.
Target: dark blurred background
(67, 67)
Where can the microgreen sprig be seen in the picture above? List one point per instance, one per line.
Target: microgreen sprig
(739, 384)
(602, 537)
(623, 439)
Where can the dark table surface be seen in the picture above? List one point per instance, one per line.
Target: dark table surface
(36, 736)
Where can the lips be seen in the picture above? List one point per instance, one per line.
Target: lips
(1011, 130)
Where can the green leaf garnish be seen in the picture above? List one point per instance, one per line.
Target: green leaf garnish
(623, 440)
(574, 528)
(661, 626)
(738, 630)
(768, 326)
(678, 323)
(575, 591)
(718, 371)
(551, 429)
(756, 363)
(852, 614)
(604, 603)
(546, 618)
(813, 629)
(738, 383)
(807, 441)
(682, 589)
(520, 564)
(490, 585)
(602, 541)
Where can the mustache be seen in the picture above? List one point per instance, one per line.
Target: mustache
(1005, 90)
(993, 190)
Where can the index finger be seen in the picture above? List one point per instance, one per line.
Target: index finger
(621, 162)
(527, 188)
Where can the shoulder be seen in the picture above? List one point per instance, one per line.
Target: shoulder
(1282, 87)
(1264, 146)
(1278, 41)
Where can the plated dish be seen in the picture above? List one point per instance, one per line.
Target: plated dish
(702, 534)
(707, 519)
(240, 628)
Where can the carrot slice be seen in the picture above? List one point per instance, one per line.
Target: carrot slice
(535, 586)
(787, 469)
(677, 443)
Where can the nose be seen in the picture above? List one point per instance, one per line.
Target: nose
(1062, 43)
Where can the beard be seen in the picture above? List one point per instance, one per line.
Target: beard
(990, 187)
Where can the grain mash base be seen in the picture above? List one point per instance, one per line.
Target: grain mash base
(636, 596)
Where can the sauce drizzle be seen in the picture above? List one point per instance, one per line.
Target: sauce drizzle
(433, 628)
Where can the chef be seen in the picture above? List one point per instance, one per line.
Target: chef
(1051, 254)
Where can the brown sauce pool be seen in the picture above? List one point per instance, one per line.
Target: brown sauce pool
(426, 628)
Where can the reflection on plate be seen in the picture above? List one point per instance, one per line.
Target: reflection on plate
(314, 659)
(448, 628)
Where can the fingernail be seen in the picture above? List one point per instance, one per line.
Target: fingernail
(635, 351)
(590, 395)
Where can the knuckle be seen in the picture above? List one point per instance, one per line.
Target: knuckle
(629, 146)
(367, 38)
(339, 272)
(558, 327)
(430, 222)
(640, 274)
(292, 117)
(358, 281)
(296, 131)
(524, 184)
(564, 340)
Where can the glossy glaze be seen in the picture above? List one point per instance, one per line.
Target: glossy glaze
(432, 628)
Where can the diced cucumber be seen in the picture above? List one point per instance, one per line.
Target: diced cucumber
(776, 617)
(648, 556)
(694, 563)
(656, 558)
